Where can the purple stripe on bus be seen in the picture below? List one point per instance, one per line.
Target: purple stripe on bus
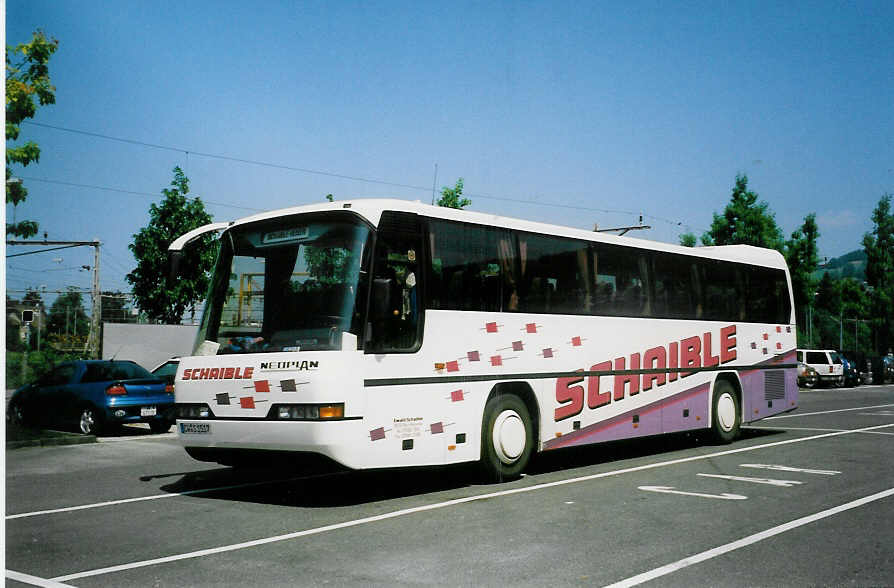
(620, 427)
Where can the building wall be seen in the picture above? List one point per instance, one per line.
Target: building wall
(148, 345)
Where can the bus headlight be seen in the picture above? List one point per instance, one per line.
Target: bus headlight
(307, 412)
(193, 411)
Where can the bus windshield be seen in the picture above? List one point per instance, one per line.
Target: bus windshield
(290, 284)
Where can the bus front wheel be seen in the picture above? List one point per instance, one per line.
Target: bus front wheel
(726, 416)
(507, 438)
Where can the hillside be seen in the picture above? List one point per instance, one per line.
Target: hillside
(849, 265)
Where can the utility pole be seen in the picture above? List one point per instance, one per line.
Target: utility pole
(92, 347)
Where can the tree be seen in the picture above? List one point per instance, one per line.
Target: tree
(745, 221)
(854, 309)
(115, 308)
(33, 298)
(688, 239)
(879, 247)
(26, 80)
(802, 257)
(828, 295)
(67, 321)
(453, 197)
(174, 216)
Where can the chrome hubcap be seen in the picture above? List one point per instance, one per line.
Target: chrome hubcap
(87, 421)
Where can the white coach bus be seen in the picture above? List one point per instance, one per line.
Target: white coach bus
(387, 333)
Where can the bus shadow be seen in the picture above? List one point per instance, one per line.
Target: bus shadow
(325, 485)
(330, 487)
(590, 455)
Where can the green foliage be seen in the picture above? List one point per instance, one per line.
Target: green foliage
(839, 317)
(879, 247)
(161, 299)
(33, 298)
(745, 221)
(453, 197)
(66, 318)
(802, 257)
(327, 266)
(688, 239)
(21, 370)
(27, 85)
(828, 295)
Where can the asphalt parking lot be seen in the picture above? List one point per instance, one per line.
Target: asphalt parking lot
(803, 499)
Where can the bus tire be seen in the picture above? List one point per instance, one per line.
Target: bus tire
(726, 415)
(507, 438)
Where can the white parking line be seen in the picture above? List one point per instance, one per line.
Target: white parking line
(814, 429)
(673, 490)
(782, 468)
(142, 498)
(746, 541)
(769, 481)
(440, 505)
(803, 414)
(34, 580)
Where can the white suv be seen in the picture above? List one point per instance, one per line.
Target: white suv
(827, 364)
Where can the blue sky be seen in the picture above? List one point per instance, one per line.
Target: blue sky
(617, 108)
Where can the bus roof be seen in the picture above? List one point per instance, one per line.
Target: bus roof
(371, 209)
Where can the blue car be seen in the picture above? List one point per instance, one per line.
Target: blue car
(94, 395)
(849, 369)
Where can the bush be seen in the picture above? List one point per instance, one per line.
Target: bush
(39, 363)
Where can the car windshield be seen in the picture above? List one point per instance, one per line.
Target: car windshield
(166, 369)
(290, 284)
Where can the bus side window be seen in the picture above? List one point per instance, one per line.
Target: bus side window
(473, 267)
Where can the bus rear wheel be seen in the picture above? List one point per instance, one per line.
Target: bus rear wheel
(726, 414)
(507, 438)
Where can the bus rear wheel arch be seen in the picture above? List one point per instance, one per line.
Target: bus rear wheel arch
(507, 437)
(726, 411)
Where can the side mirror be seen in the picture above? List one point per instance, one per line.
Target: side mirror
(174, 258)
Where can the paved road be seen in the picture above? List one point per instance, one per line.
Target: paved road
(803, 499)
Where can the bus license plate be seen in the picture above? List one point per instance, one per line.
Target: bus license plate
(195, 428)
(148, 411)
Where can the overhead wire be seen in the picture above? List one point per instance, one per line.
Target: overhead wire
(133, 192)
(189, 152)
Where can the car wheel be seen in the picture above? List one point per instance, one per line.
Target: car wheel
(726, 416)
(89, 423)
(160, 425)
(507, 438)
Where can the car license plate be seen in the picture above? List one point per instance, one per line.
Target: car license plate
(195, 428)
(148, 411)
